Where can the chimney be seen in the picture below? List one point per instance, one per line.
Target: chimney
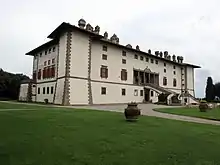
(161, 54)
(174, 58)
(157, 53)
(106, 35)
(149, 51)
(129, 46)
(165, 54)
(82, 23)
(97, 29)
(137, 47)
(89, 27)
(178, 59)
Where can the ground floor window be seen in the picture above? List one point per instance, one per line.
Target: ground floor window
(103, 90)
(142, 92)
(136, 92)
(43, 90)
(51, 90)
(48, 90)
(123, 92)
(152, 93)
(38, 90)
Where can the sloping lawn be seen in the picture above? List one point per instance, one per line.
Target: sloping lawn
(85, 137)
(213, 114)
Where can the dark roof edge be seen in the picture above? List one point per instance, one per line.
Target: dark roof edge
(41, 47)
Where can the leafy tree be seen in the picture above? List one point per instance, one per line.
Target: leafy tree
(10, 84)
(210, 90)
(217, 89)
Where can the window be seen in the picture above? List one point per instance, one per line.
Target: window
(156, 61)
(51, 90)
(52, 71)
(174, 82)
(103, 90)
(152, 93)
(34, 86)
(104, 57)
(45, 63)
(124, 74)
(48, 90)
(39, 74)
(38, 90)
(174, 67)
(123, 61)
(104, 72)
(43, 90)
(142, 93)
(136, 56)
(164, 81)
(141, 58)
(174, 72)
(104, 48)
(123, 53)
(135, 92)
(165, 70)
(40, 54)
(147, 59)
(34, 75)
(46, 52)
(53, 60)
(49, 50)
(54, 48)
(123, 92)
(152, 61)
(165, 64)
(48, 62)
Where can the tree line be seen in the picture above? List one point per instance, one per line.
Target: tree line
(212, 92)
(10, 85)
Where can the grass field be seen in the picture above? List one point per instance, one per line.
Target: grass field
(213, 114)
(55, 136)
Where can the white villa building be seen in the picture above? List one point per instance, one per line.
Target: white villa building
(78, 66)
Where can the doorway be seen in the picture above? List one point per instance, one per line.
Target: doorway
(146, 95)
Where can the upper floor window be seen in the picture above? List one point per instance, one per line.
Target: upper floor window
(46, 52)
(174, 82)
(147, 59)
(104, 57)
(40, 54)
(174, 72)
(164, 81)
(123, 92)
(123, 53)
(39, 74)
(152, 61)
(141, 58)
(104, 48)
(54, 48)
(136, 56)
(124, 74)
(123, 61)
(103, 90)
(104, 71)
(48, 62)
(156, 61)
(165, 64)
(45, 63)
(49, 50)
(174, 67)
(53, 60)
(165, 70)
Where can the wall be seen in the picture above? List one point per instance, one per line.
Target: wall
(41, 96)
(78, 91)
(190, 79)
(23, 92)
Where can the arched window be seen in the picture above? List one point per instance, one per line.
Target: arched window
(164, 81)
(174, 82)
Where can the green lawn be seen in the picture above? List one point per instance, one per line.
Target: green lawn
(213, 114)
(55, 136)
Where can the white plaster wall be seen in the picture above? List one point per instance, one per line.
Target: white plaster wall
(78, 91)
(23, 92)
(114, 63)
(79, 55)
(35, 63)
(113, 93)
(59, 91)
(62, 55)
(40, 97)
(190, 77)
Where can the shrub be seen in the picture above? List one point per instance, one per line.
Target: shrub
(203, 106)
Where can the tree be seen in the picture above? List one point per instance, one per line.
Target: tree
(210, 90)
(217, 89)
(10, 84)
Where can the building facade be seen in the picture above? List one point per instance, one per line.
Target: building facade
(78, 66)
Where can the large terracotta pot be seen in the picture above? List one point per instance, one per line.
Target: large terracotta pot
(203, 107)
(132, 112)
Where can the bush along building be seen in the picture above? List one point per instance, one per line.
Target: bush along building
(78, 66)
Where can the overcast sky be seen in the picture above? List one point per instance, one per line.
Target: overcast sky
(188, 28)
